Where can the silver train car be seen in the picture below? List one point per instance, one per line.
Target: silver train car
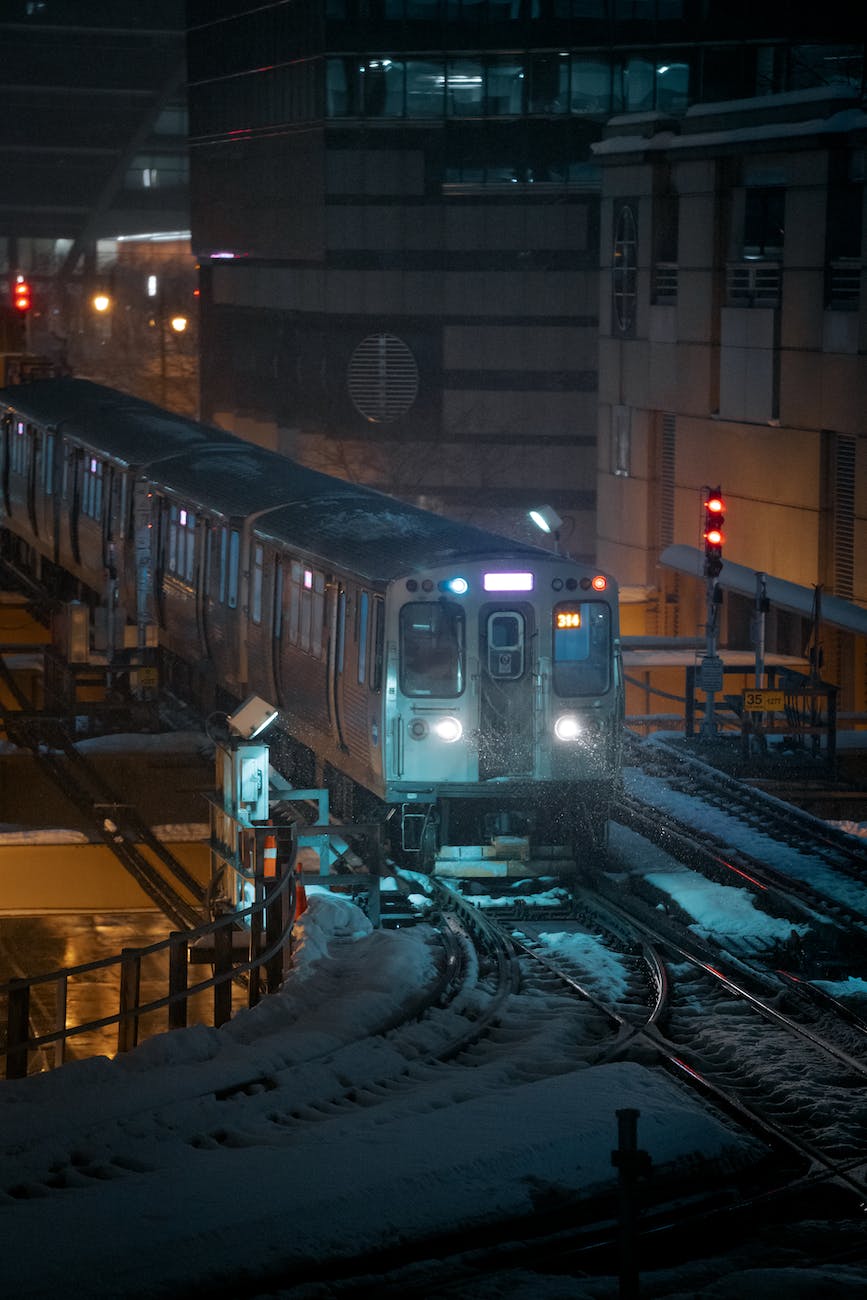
(459, 684)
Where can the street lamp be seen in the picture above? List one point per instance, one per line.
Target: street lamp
(547, 519)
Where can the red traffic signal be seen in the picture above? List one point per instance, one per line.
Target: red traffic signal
(714, 518)
(21, 295)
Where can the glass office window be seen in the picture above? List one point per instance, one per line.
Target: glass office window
(382, 82)
(425, 88)
(465, 84)
(591, 86)
(505, 86)
(549, 83)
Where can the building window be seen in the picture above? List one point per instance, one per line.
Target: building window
(621, 440)
(764, 222)
(624, 271)
(382, 378)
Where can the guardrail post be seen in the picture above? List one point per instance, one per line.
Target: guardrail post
(275, 923)
(60, 1021)
(17, 1029)
(130, 985)
(632, 1165)
(179, 957)
(254, 982)
(222, 974)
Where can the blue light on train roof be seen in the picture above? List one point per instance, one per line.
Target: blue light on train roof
(457, 586)
(508, 582)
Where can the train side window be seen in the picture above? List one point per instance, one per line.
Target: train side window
(224, 553)
(277, 617)
(582, 648)
(378, 644)
(341, 631)
(234, 561)
(18, 450)
(173, 539)
(317, 610)
(295, 575)
(361, 635)
(257, 577)
(48, 466)
(182, 543)
(91, 487)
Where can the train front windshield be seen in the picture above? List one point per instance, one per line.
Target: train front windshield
(432, 649)
(582, 648)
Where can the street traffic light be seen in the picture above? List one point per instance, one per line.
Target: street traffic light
(21, 295)
(714, 518)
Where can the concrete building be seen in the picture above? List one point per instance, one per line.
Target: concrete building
(396, 206)
(733, 329)
(93, 147)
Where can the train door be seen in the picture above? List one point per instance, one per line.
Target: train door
(506, 691)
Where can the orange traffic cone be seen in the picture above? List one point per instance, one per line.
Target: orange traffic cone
(270, 869)
(300, 894)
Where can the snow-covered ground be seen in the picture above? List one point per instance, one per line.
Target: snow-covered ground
(130, 1178)
(161, 1172)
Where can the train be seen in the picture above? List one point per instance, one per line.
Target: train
(456, 684)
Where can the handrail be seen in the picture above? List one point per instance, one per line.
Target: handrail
(268, 922)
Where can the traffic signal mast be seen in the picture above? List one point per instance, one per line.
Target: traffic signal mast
(711, 667)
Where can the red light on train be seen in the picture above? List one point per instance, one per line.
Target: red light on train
(599, 583)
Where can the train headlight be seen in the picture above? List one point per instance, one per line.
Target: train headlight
(448, 729)
(567, 727)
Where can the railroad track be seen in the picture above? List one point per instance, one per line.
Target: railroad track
(763, 813)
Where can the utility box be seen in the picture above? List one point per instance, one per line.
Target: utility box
(243, 780)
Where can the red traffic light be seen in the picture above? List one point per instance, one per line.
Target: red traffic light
(21, 294)
(714, 518)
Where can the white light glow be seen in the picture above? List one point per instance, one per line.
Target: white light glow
(448, 729)
(508, 582)
(152, 286)
(567, 727)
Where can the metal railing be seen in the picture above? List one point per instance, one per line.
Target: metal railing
(248, 947)
(753, 284)
(844, 285)
(665, 283)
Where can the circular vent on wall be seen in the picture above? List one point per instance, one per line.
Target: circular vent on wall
(382, 378)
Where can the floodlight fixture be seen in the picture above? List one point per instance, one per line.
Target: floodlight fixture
(547, 519)
(252, 717)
